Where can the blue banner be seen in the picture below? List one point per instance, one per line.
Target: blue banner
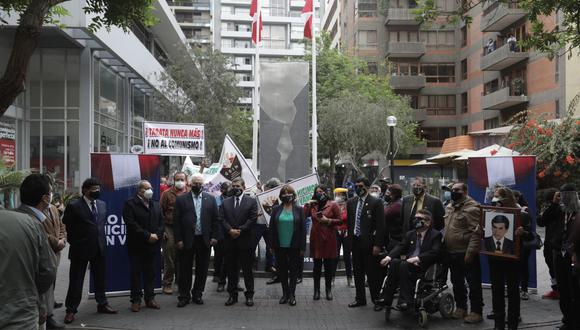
(119, 175)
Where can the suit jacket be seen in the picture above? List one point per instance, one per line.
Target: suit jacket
(244, 218)
(429, 251)
(86, 237)
(299, 234)
(508, 246)
(185, 219)
(372, 222)
(431, 203)
(141, 222)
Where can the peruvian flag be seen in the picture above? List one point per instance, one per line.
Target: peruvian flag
(307, 13)
(507, 171)
(256, 15)
(118, 171)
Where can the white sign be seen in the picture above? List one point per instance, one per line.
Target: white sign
(304, 188)
(174, 139)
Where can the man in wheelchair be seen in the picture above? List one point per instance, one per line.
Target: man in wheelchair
(421, 246)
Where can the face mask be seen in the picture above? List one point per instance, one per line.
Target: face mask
(456, 196)
(360, 192)
(417, 191)
(196, 189)
(50, 199)
(148, 194)
(237, 192)
(339, 199)
(179, 184)
(419, 223)
(496, 201)
(287, 199)
(95, 194)
(447, 195)
(321, 197)
(375, 194)
(387, 198)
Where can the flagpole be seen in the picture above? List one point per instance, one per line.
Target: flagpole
(256, 100)
(314, 115)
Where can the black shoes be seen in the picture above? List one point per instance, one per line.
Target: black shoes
(316, 295)
(274, 279)
(357, 303)
(292, 301)
(182, 303)
(249, 301)
(198, 300)
(329, 294)
(221, 287)
(378, 308)
(51, 323)
(403, 306)
(299, 280)
(232, 300)
(57, 305)
(283, 300)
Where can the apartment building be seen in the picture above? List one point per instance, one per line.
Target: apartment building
(459, 78)
(195, 19)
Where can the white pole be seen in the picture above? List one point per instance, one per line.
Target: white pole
(314, 117)
(256, 100)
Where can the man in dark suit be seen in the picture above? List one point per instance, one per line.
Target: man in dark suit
(144, 222)
(196, 221)
(498, 243)
(238, 215)
(85, 220)
(366, 225)
(419, 200)
(421, 247)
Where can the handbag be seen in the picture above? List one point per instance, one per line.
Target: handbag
(534, 244)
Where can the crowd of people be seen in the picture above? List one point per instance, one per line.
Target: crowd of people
(380, 232)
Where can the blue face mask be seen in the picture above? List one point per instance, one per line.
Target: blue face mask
(447, 195)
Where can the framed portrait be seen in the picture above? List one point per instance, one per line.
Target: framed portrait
(499, 231)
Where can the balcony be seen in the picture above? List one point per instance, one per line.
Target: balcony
(419, 114)
(502, 58)
(408, 82)
(498, 16)
(405, 49)
(401, 16)
(193, 21)
(502, 99)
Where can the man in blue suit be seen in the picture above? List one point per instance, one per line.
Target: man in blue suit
(85, 221)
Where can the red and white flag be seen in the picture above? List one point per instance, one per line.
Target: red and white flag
(256, 15)
(117, 171)
(506, 171)
(307, 13)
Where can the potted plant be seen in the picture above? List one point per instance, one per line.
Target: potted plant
(518, 86)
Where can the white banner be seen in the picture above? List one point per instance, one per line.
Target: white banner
(174, 139)
(304, 188)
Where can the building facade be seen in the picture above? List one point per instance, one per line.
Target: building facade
(87, 92)
(195, 17)
(459, 78)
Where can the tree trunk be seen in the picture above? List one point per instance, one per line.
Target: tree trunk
(25, 42)
(332, 173)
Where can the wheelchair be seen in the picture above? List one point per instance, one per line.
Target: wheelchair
(429, 297)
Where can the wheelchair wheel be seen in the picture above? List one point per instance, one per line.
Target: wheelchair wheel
(423, 318)
(387, 314)
(446, 305)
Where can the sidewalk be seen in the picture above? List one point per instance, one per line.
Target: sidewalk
(268, 314)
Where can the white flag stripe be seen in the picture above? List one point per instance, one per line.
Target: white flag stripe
(126, 170)
(500, 170)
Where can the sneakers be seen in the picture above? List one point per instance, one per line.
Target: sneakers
(524, 295)
(167, 289)
(553, 295)
(459, 313)
(473, 318)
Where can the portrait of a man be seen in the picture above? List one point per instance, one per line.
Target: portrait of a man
(501, 239)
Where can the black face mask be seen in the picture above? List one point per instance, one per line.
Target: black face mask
(287, 198)
(321, 197)
(237, 192)
(417, 191)
(360, 192)
(196, 189)
(95, 194)
(456, 196)
(387, 198)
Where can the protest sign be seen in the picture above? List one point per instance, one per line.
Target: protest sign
(174, 139)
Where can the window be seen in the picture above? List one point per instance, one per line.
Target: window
(491, 123)
(274, 7)
(439, 72)
(464, 69)
(274, 36)
(490, 87)
(367, 8)
(464, 130)
(243, 43)
(227, 10)
(438, 105)
(404, 36)
(438, 38)
(464, 36)
(464, 102)
(227, 43)
(243, 76)
(557, 69)
(372, 67)
(242, 11)
(446, 5)
(404, 69)
(367, 38)
(435, 136)
(557, 108)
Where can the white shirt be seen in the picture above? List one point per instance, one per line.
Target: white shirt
(500, 242)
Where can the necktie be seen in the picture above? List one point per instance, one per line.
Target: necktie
(414, 208)
(498, 246)
(94, 211)
(417, 246)
(359, 208)
(237, 203)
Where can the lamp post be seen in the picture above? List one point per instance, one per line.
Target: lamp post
(392, 122)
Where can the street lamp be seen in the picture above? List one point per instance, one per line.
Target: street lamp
(392, 122)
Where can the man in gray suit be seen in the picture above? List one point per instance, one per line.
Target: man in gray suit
(28, 265)
(420, 200)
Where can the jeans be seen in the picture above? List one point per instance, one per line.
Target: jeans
(346, 253)
(470, 272)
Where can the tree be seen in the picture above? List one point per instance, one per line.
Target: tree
(353, 106)
(35, 13)
(552, 42)
(205, 93)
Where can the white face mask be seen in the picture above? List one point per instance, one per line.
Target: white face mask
(49, 199)
(375, 194)
(148, 194)
(179, 184)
